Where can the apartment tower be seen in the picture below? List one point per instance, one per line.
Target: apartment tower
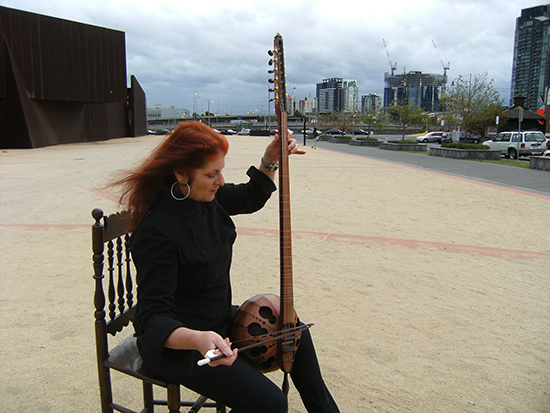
(531, 64)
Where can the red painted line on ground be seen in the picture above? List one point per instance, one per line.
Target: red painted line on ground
(409, 243)
(37, 227)
(103, 194)
(343, 238)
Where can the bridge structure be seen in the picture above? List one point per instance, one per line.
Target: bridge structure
(261, 125)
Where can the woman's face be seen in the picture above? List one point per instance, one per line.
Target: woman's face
(205, 181)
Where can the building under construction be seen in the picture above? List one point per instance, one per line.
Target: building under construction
(424, 90)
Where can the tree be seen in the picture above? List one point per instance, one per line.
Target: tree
(472, 104)
(374, 119)
(336, 120)
(407, 115)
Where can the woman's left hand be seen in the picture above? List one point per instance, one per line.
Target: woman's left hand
(271, 155)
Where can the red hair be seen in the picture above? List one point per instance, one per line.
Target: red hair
(186, 149)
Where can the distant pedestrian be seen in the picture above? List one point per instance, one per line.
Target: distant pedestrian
(315, 137)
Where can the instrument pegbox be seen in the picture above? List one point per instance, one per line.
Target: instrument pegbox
(271, 71)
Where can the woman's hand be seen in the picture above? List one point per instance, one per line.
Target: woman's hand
(186, 339)
(271, 154)
(213, 341)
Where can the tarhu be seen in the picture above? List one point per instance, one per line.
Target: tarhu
(268, 313)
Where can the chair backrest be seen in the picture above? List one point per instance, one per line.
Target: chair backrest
(114, 293)
(110, 235)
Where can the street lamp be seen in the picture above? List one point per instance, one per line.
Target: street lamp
(207, 101)
(467, 106)
(195, 105)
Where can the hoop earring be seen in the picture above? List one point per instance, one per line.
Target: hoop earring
(172, 191)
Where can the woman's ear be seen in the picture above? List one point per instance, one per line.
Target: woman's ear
(181, 177)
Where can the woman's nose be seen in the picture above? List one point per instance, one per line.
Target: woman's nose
(221, 180)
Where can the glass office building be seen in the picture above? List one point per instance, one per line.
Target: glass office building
(531, 64)
(337, 95)
(424, 90)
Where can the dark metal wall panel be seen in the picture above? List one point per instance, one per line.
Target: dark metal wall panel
(3, 67)
(138, 114)
(65, 60)
(63, 82)
(103, 120)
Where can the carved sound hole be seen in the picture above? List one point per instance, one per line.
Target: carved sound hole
(256, 351)
(254, 329)
(267, 314)
(266, 365)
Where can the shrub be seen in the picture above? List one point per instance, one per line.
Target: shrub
(458, 145)
(407, 141)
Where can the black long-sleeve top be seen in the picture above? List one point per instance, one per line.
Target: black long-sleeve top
(182, 251)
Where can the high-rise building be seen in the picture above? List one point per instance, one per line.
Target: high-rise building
(337, 95)
(415, 88)
(371, 102)
(307, 106)
(350, 96)
(531, 64)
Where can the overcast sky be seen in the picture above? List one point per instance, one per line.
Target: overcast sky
(218, 48)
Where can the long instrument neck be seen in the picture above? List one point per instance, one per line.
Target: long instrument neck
(287, 291)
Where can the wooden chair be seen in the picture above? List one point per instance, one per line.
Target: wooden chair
(110, 233)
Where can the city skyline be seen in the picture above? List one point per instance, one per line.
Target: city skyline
(177, 49)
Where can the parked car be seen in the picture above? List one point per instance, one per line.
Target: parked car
(469, 138)
(358, 131)
(514, 144)
(431, 137)
(546, 153)
(335, 132)
(447, 139)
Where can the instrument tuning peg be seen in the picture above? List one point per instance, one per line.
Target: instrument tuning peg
(272, 99)
(271, 80)
(271, 90)
(271, 71)
(270, 52)
(270, 63)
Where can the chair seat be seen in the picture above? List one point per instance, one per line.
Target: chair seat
(125, 358)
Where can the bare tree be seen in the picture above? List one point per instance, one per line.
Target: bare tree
(472, 104)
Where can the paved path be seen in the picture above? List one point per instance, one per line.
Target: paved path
(526, 179)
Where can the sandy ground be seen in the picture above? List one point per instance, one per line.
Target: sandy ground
(427, 292)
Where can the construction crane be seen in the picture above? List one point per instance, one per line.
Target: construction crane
(393, 64)
(446, 66)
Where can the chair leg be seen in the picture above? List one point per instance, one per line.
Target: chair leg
(198, 404)
(105, 390)
(174, 398)
(148, 397)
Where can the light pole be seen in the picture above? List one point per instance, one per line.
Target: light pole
(207, 101)
(195, 105)
(467, 106)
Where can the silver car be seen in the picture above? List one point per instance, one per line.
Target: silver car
(431, 137)
(514, 144)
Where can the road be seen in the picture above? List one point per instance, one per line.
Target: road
(525, 179)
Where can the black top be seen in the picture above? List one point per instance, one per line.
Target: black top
(182, 251)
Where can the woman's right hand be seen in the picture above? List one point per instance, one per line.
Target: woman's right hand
(210, 340)
(186, 339)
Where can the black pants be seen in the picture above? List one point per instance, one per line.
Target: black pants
(246, 390)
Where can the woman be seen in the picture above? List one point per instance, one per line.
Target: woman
(182, 246)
